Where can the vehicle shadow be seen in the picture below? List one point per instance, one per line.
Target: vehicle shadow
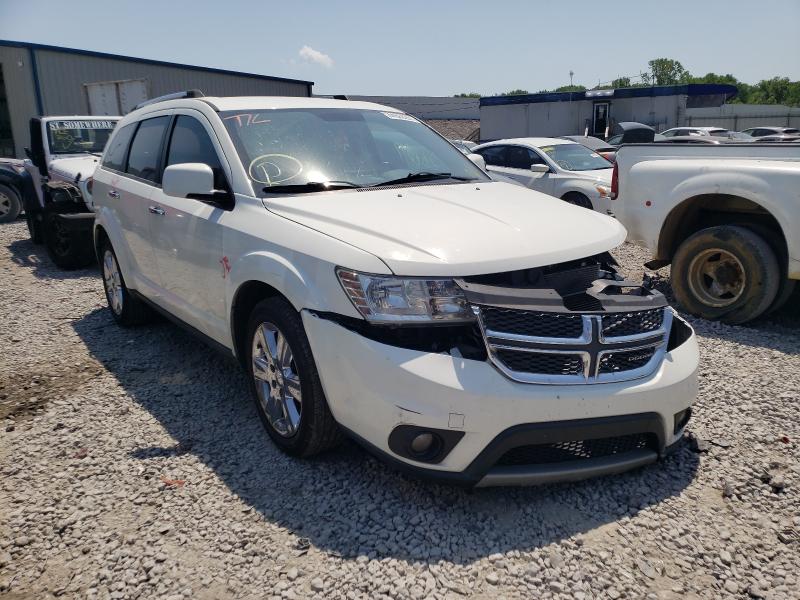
(345, 502)
(33, 257)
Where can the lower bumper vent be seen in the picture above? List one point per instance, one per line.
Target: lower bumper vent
(542, 454)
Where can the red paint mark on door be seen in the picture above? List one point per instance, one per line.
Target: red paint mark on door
(226, 266)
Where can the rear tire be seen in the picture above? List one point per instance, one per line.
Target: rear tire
(285, 383)
(10, 204)
(126, 308)
(785, 292)
(66, 248)
(577, 199)
(726, 273)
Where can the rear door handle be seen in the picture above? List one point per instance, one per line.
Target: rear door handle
(113, 194)
(156, 210)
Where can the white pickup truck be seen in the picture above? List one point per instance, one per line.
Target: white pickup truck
(62, 158)
(726, 217)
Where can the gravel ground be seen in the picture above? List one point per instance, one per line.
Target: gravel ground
(134, 466)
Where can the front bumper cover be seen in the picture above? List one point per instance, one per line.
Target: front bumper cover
(372, 388)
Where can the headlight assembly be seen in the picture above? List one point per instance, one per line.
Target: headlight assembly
(389, 299)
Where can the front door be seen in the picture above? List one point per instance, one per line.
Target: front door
(187, 235)
(600, 120)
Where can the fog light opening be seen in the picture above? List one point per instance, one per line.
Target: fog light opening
(425, 445)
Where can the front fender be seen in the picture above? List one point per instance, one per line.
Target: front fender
(305, 282)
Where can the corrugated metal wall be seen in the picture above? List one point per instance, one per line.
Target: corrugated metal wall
(62, 76)
(20, 93)
(552, 119)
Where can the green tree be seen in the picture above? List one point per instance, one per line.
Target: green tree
(467, 95)
(666, 71)
(621, 82)
(515, 93)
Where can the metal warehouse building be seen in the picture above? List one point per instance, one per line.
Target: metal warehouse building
(47, 80)
(594, 112)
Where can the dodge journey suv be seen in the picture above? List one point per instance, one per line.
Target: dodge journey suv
(374, 282)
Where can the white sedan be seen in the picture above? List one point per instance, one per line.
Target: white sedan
(557, 167)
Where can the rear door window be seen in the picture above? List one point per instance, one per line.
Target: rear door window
(190, 144)
(115, 155)
(145, 153)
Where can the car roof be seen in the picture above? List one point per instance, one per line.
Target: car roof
(277, 102)
(531, 141)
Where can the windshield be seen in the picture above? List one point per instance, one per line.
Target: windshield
(294, 147)
(575, 157)
(75, 137)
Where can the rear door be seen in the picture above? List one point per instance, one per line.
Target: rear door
(130, 189)
(187, 233)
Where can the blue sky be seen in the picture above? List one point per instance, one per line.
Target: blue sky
(428, 48)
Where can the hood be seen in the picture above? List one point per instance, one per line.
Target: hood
(69, 168)
(455, 230)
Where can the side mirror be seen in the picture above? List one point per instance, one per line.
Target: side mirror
(478, 160)
(188, 179)
(540, 168)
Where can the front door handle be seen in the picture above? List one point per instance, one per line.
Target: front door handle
(113, 194)
(156, 210)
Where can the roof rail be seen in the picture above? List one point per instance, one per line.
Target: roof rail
(173, 96)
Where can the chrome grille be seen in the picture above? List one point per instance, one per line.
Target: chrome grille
(570, 348)
(632, 323)
(538, 324)
(551, 364)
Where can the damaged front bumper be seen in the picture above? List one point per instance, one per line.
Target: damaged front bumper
(374, 388)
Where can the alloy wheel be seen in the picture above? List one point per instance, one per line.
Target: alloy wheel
(276, 379)
(113, 282)
(716, 277)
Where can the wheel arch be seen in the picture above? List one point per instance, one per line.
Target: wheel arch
(245, 298)
(708, 210)
(109, 230)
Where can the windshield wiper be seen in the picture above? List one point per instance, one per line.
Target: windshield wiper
(308, 187)
(422, 176)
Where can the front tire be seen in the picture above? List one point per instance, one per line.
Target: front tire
(726, 273)
(10, 205)
(285, 383)
(67, 249)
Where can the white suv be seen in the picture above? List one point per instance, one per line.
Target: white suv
(374, 281)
